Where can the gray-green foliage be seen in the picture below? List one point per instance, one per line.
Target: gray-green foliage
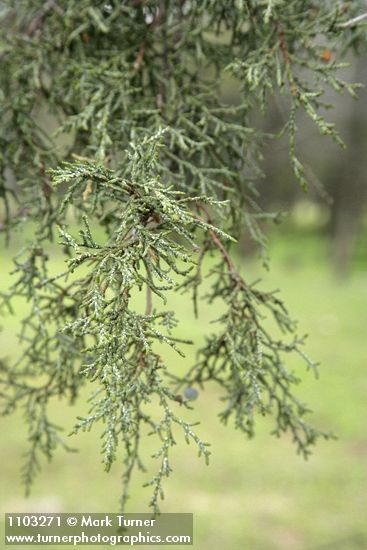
(156, 158)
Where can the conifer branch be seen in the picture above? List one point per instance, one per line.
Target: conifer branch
(155, 185)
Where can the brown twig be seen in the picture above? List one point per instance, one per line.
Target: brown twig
(149, 303)
(283, 46)
(285, 53)
(157, 19)
(218, 244)
(36, 23)
(139, 58)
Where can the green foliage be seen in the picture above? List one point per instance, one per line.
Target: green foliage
(147, 149)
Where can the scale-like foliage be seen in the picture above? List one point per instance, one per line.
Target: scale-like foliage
(148, 170)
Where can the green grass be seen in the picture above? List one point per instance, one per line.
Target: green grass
(255, 495)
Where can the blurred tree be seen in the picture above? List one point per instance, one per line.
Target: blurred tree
(346, 180)
(337, 181)
(153, 157)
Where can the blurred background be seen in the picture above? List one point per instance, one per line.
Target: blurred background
(258, 494)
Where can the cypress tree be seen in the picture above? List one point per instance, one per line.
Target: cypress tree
(147, 171)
